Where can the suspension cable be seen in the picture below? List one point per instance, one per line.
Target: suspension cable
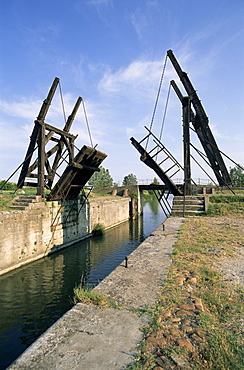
(62, 101)
(88, 128)
(165, 110)
(157, 97)
(214, 146)
(215, 172)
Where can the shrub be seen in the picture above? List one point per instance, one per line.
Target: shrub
(98, 230)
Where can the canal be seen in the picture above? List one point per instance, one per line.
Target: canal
(34, 296)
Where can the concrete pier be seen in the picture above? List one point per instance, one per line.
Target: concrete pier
(89, 337)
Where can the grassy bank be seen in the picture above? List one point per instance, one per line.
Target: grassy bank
(225, 204)
(7, 197)
(5, 200)
(197, 322)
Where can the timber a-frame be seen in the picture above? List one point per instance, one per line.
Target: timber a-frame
(163, 163)
(200, 123)
(40, 172)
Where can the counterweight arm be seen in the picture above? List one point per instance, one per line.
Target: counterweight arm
(200, 123)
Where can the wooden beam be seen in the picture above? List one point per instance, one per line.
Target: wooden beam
(149, 161)
(186, 145)
(41, 160)
(58, 131)
(28, 156)
(88, 168)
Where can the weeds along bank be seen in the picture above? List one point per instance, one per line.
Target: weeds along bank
(46, 227)
(197, 321)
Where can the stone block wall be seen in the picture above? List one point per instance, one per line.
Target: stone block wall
(109, 213)
(46, 227)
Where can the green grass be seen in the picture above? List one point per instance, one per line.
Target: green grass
(94, 194)
(5, 199)
(226, 198)
(225, 204)
(88, 295)
(197, 247)
(239, 191)
(98, 229)
(223, 349)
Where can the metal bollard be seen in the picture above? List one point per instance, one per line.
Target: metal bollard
(126, 262)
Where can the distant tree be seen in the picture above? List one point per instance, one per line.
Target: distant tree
(155, 181)
(129, 180)
(101, 179)
(8, 185)
(237, 175)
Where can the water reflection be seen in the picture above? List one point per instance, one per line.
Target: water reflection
(33, 297)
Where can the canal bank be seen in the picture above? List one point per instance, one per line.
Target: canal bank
(36, 295)
(89, 337)
(41, 228)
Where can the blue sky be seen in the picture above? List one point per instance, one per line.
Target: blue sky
(111, 53)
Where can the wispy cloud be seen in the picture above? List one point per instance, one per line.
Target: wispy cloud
(143, 17)
(219, 135)
(139, 22)
(22, 114)
(140, 78)
(101, 7)
(25, 108)
(99, 2)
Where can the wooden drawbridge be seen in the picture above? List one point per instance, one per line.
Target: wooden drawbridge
(49, 148)
(193, 114)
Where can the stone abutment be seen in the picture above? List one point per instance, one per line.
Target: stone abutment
(46, 227)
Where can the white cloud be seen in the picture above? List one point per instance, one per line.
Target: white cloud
(138, 79)
(143, 18)
(99, 2)
(139, 22)
(25, 108)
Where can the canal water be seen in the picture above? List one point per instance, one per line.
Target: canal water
(33, 297)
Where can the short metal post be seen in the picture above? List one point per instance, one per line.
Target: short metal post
(126, 262)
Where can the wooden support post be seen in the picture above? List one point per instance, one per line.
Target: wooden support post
(186, 145)
(41, 160)
(35, 134)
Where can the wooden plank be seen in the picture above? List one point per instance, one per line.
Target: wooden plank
(186, 144)
(75, 178)
(28, 156)
(31, 184)
(59, 131)
(41, 160)
(47, 102)
(88, 168)
(149, 161)
(35, 176)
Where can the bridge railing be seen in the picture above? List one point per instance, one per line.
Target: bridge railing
(177, 181)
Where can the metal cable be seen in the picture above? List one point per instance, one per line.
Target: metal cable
(88, 128)
(157, 97)
(62, 101)
(214, 146)
(165, 111)
(164, 115)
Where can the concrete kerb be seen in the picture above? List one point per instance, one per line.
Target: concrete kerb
(89, 337)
